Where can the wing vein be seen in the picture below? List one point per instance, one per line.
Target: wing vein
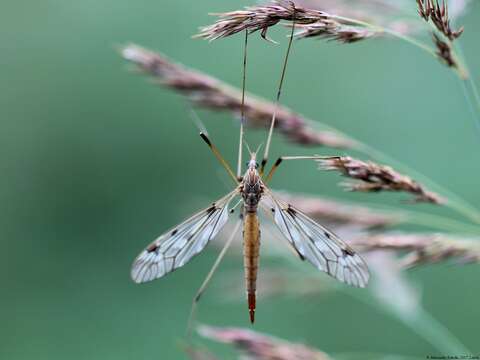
(180, 244)
(321, 247)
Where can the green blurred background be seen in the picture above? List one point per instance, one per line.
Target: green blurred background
(96, 161)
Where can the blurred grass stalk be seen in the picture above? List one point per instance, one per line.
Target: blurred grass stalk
(254, 345)
(392, 293)
(422, 248)
(260, 346)
(390, 290)
(211, 93)
(369, 216)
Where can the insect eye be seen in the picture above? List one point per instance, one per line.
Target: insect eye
(247, 163)
(256, 165)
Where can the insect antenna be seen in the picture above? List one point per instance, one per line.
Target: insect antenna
(248, 148)
(279, 91)
(242, 109)
(258, 148)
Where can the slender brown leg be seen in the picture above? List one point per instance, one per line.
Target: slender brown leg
(242, 117)
(209, 276)
(279, 92)
(219, 156)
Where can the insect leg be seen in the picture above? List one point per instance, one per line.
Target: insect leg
(272, 124)
(242, 117)
(204, 285)
(273, 169)
(219, 156)
(280, 160)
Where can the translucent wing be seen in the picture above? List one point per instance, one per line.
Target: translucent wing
(177, 246)
(319, 245)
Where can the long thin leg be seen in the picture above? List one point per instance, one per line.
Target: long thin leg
(272, 124)
(197, 121)
(219, 156)
(204, 285)
(273, 169)
(280, 159)
(242, 117)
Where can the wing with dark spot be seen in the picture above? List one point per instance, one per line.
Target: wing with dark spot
(318, 245)
(180, 244)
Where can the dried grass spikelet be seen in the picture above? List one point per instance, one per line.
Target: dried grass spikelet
(444, 51)
(314, 23)
(391, 286)
(333, 30)
(431, 10)
(374, 177)
(422, 248)
(212, 93)
(362, 9)
(382, 13)
(261, 17)
(260, 346)
(438, 14)
(337, 213)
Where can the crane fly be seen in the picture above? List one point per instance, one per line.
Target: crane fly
(310, 240)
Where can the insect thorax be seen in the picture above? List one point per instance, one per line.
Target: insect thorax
(251, 189)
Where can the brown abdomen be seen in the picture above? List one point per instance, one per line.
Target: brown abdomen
(251, 247)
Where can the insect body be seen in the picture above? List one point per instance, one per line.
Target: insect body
(311, 241)
(251, 189)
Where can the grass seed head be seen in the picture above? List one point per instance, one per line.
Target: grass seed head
(444, 51)
(422, 248)
(333, 30)
(374, 177)
(438, 14)
(262, 17)
(336, 213)
(209, 92)
(260, 346)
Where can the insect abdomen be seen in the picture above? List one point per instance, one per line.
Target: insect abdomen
(251, 248)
